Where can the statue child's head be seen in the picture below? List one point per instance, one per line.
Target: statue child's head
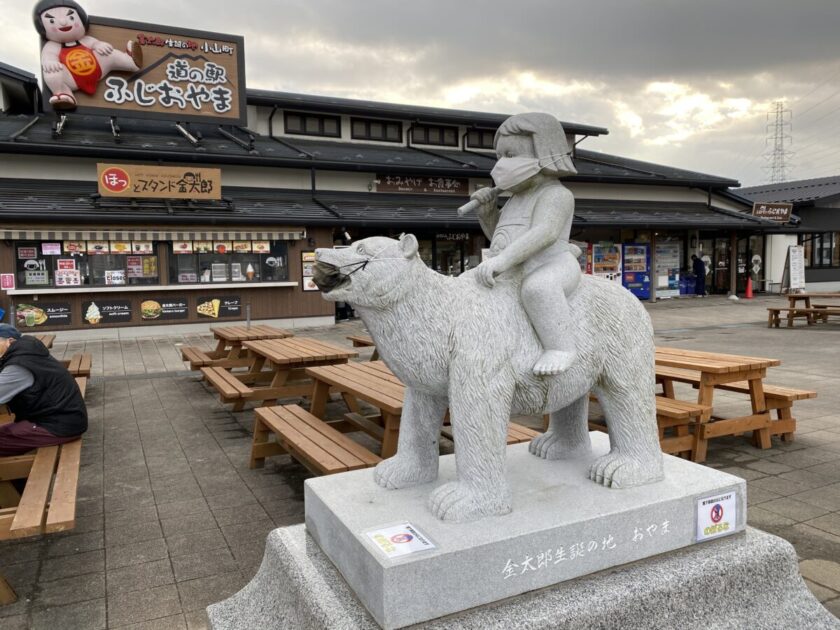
(60, 20)
(536, 138)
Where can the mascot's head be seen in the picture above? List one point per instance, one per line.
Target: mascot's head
(60, 20)
(371, 272)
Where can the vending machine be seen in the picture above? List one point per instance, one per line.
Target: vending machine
(606, 260)
(636, 276)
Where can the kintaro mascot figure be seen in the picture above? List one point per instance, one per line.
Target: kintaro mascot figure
(523, 333)
(71, 59)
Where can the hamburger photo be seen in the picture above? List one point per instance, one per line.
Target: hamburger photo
(149, 309)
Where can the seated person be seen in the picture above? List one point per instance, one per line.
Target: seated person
(43, 395)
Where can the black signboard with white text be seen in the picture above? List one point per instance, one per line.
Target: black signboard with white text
(98, 312)
(42, 314)
(164, 308)
(215, 307)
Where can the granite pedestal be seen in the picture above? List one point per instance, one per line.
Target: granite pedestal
(748, 581)
(562, 526)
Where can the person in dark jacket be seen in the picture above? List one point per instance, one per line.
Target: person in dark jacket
(43, 395)
(698, 267)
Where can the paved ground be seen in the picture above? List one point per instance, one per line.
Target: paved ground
(171, 519)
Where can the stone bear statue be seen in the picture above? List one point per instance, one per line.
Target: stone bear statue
(458, 344)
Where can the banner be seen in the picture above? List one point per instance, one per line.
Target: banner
(158, 182)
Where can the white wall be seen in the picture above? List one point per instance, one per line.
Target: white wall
(4, 99)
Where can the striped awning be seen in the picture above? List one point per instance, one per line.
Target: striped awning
(282, 234)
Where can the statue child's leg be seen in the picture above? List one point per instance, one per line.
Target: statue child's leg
(417, 455)
(480, 413)
(544, 299)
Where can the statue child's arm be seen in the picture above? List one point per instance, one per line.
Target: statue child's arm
(488, 218)
(550, 215)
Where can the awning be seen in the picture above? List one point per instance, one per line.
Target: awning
(288, 234)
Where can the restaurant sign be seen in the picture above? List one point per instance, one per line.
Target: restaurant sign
(421, 185)
(114, 67)
(774, 211)
(159, 182)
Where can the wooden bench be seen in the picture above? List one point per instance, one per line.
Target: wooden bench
(195, 356)
(230, 388)
(777, 398)
(362, 341)
(79, 364)
(314, 443)
(679, 424)
(48, 502)
(819, 312)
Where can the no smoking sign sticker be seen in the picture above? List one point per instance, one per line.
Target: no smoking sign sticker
(717, 515)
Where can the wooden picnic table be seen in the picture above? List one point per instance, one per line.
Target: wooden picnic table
(275, 369)
(363, 341)
(806, 310)
(229, 339)
(374, 383)
(46, 339)
(717, 369)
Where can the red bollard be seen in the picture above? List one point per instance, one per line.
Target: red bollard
(749, 294)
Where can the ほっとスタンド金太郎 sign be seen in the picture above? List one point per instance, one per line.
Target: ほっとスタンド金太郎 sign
(159, 182)
(114, 67)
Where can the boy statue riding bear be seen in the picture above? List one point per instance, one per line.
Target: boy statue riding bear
(532, 229)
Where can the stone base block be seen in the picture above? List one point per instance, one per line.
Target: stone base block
(562, 526)
(750, 580)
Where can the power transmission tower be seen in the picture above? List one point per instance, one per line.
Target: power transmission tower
(779, 127)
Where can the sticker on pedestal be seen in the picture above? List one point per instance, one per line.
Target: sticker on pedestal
(399, 540)
(717, 515)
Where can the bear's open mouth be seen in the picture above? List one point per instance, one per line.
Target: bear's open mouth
(328, 277)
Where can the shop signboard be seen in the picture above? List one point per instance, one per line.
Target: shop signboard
(27, 253)
(203, 247)
(98, 247)
(421, 184)
(65, 264)
(152, 181)
(75, 247)
(7, 281)
(164, 309)
(51, 249)
(115, 277)
(37, 277)
(113, 67)
(307, 262)
(43, 314)
(773, 211)
(68, 278)
(261, 247)
(216, 307)
(134, 266)
(142, 247)
(242, 247)
(636, 276)
(182, 247)
(120, 247)
(106, 312)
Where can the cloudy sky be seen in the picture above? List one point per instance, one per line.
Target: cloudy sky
(681, 82)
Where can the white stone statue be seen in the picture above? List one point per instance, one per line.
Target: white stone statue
(459, 344)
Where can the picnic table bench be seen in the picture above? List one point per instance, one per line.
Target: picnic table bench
(79, 364)
(363, 341)
(46, 339)
(374, 383)
(819, 312)
(677, 421)
(709, 371)
(48, 501)
(229, 352)
(275, 370)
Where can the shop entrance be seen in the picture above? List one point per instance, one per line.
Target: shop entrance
(714, 252)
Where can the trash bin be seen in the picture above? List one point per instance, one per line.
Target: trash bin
(687, 285)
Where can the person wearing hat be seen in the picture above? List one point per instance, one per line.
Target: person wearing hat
(40, 392)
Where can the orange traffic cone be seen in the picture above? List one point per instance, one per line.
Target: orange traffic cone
(749, 294)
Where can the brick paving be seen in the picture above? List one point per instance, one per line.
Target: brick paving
(171, 519)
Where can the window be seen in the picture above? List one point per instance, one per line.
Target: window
(481, 138)
(209, 262)
(68, 264)
(313, 125)
(435, 134)
(821, 250)
(381, 130)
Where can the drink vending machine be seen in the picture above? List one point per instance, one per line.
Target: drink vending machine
(605, 260)
(636, 275)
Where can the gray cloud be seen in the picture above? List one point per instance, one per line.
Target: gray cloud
(722, 63)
